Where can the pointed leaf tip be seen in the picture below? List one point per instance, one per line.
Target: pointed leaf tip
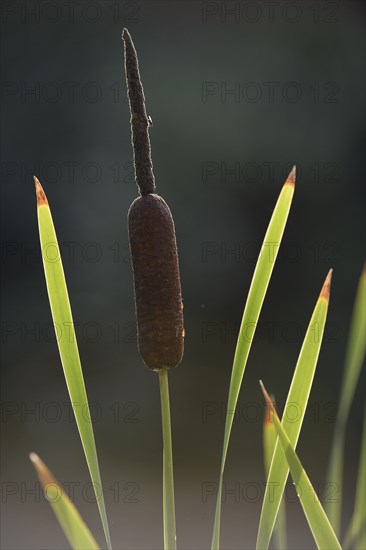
(291, 179)
(33, 457)
(325, 291)
(268, 418)
(73, 526)
(266, 396)
(43, 472)
(41, 196)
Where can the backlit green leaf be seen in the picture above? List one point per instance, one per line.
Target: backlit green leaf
(354, 359)
(293, 415)
(67, 344)
(76, 531)
(319, 524)
(257, 292)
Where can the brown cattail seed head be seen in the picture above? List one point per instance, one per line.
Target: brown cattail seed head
(158, 296)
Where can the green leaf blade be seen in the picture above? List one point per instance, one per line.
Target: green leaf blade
(297, 399)
(67, 345)
(355, 349)
(355, 354)
(357, 529)
(72, 524)
(269, 444)
(317, 519)
(256, 295)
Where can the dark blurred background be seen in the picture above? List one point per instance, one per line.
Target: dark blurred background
(238, 92)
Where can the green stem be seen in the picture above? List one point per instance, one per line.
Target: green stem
(170, 538)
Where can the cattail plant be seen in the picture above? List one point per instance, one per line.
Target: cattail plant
(159, 313)
(158, 296)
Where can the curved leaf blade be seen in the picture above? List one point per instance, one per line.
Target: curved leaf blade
(317, 519)
(297, 397)
(72, 524)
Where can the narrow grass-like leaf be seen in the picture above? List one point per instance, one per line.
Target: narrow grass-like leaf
(297, 400)
(353, 363)
(269, 443)
(67, 344)
(257, 292)
(317, 519)
(356, 532)
(74, 527)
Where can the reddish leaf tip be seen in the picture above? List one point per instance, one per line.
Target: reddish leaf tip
(325, 292)
(268, 417)
(291, 179)
(270, 406)
(265, 393)
(43, 472)
(41, 196)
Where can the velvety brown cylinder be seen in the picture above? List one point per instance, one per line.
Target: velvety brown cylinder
(158, 295)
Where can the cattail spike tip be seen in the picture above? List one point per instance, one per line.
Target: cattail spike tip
(140, 123)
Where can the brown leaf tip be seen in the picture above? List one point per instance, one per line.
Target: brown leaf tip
(326, 287)
(291, 179)
(41, 196)
(266, 396)
(270, 406)
(43, 472)
(268, 417)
